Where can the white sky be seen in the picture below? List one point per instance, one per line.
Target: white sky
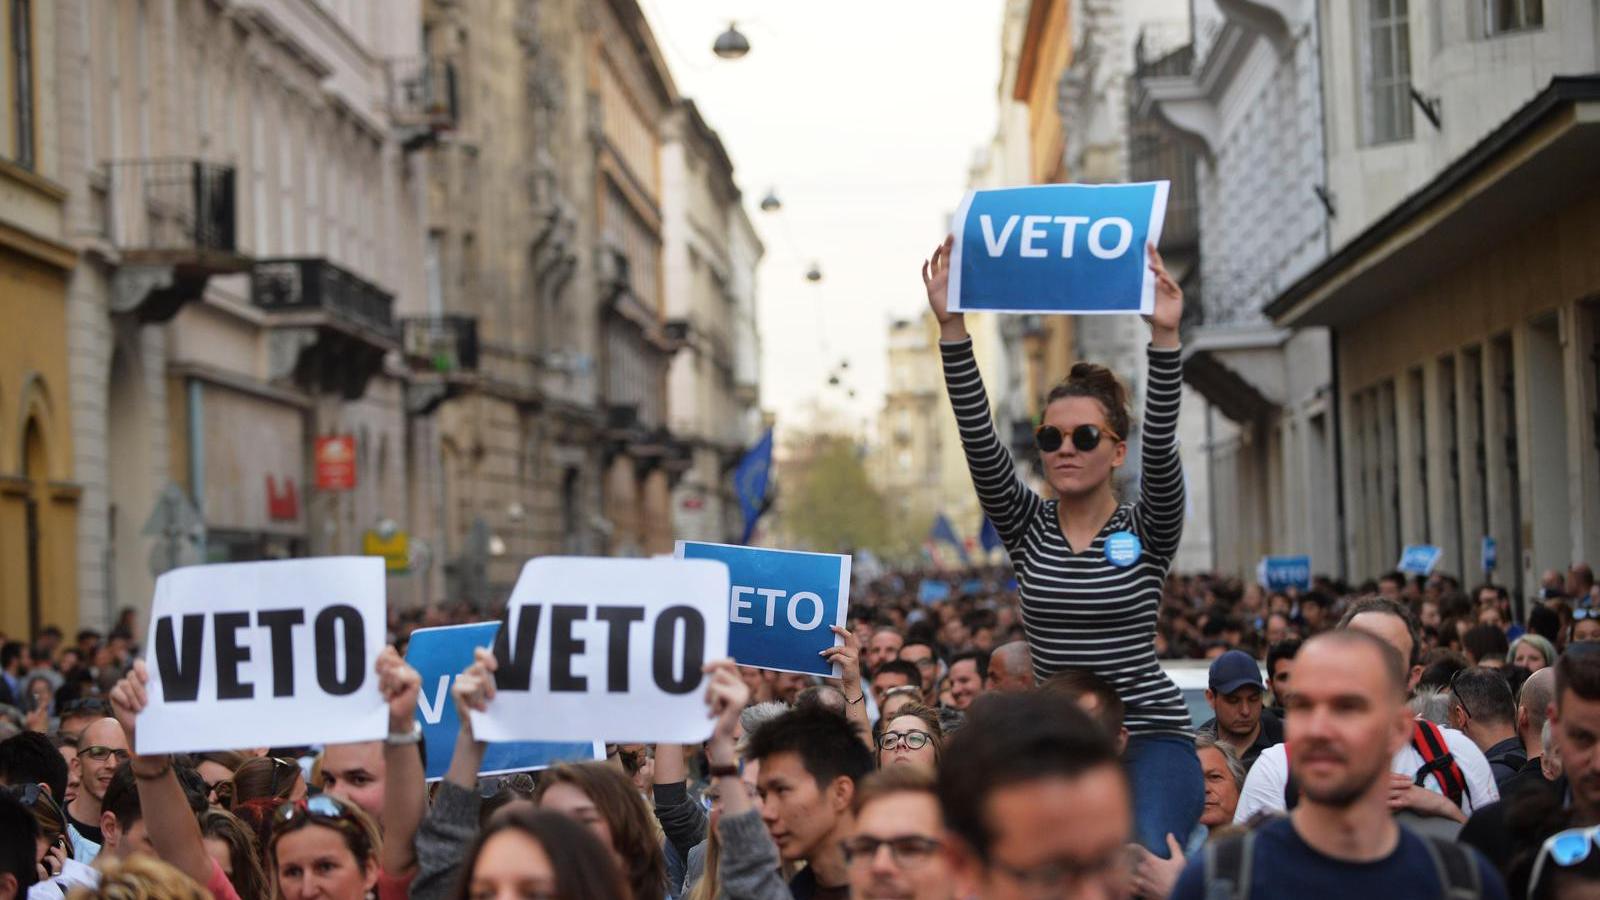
(864, 115)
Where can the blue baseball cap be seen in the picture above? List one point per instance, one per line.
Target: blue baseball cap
(1233, 670)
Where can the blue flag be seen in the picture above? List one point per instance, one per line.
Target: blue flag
(1060, 248)
(943, 531)
(988, 537)
(750, 483)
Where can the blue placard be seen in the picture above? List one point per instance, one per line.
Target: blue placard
(1060, 248)
(932, 590)
(439, 655)
(1491, 554)
(1419, 559)
(1280, 573)
(780, 604)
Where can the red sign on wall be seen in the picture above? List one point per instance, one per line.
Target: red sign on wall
(282, 505)
(336, 463)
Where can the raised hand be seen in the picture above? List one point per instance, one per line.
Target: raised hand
(847, 657)
(474, 688)
(726, 697)
(399, 684)
(936, 278)
(1169, 303)
(129, 698)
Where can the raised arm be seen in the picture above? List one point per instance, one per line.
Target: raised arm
(1161, 500)
(1006, 500)
(847, 656)
(682, 819)
(405, 798)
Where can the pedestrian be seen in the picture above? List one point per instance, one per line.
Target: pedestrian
(899, 833)
(324, 847)
(968, 672)
(1091, 569)
(1347, 719)
(101, 748)
(898, 698)
(1010, 668)
(896, 673)
(262, 778)
(1533, 705)
(1035, 802)
(216, 767)
(526, 852)
(1235, 693)
(913, 737)
(1532, 652)
(883, 646)
(1224, 773)
(1486, 711)
(1280, 670)
(142, 878)
(232, 845)
(921, 654)
(19, 855)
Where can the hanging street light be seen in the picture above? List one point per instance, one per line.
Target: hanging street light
(814, 274)
(771, 203)
(731, 44)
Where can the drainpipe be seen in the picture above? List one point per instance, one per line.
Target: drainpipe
(197, 458)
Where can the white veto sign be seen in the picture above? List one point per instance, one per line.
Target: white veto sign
(265, 654)
(608, 650)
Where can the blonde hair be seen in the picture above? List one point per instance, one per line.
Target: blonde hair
(141, 877)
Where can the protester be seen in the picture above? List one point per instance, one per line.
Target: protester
(1095, 696)
(896, 699)
(1235, 695)
(893, 674)
(1486, 711)
(921, 655)
(884, 646)
(968, 673)
(1035, 802)
(262, 778)
(324, 847)
(101, 748)
(894, 853)
(142, 877)
(233, 845)
(1347, 719)
(913, 737)
(216, 768)
(525, 852)
(1089, 543)
(1533, 704)
(19, 834)
(1010, 668)
(1486, 645)
(1280, 669)
(1531, 652)
(603, 800)
(1154, 876)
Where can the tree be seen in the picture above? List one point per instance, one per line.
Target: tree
(828, 503)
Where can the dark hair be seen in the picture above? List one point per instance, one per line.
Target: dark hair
(1578, 671)
(10, 651)
(1393, 576)
(1284, 649)
(584, 868)
(914, 639)
(1387, 607)
(828, 744)
(978, 657)
(1087, 379)
(1073, 684)
(32, 758)
(824, 695)
(1012, 739)
(122, 798)
(1439, 666)
(260, 777)
(1545, 622)
(908, 669)
(1485, 695)
(1485, 642)
(248, 878)
(17, 850)
(630, 821)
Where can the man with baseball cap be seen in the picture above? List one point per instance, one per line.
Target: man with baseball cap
(1235, 697)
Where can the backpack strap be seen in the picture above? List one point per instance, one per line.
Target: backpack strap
(1429, 742)
(1459, 878)
(1228, 863)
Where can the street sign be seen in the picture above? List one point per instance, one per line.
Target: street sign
(336, 463)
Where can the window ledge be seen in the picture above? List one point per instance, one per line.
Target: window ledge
(33, 180)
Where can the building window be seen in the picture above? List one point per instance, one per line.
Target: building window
(1388, 71)
(22, 82)
(1514, 15)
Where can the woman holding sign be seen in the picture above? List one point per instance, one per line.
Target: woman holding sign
(1090, 568)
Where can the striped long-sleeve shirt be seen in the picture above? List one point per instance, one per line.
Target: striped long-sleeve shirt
(1079, 610)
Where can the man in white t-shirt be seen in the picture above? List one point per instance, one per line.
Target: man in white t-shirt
(1266, 786)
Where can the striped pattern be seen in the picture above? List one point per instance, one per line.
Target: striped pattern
(1080, 611)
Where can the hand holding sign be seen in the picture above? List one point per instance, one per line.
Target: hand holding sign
(399, 684)
(847, 658)
(1168, 310)
(129, 698)
(474, 687)
(726, 697)
(936, 279)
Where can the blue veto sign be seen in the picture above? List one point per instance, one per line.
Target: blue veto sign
(439, 655)
(1059, 248)
(780, 604)
(1419, 559)
(1280, 573)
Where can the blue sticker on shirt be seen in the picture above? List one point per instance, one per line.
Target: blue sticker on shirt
(1123, 548)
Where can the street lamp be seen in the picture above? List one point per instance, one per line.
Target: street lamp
(731, 44)
(814, 274)
(771, 203)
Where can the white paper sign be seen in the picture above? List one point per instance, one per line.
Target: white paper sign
(265, 654)
(608, 650)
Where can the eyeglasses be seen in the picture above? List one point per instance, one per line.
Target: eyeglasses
(1457, 694)
(1565, 848)
(99, 753)
(1050, 878)
(323, 809)
(907, 850)
(1085, 437)
(913, 740)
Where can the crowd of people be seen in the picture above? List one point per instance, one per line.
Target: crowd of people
(1019, 737)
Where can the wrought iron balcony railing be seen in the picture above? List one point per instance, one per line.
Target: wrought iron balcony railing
(315, 284)
(171, 207)
(444, 344)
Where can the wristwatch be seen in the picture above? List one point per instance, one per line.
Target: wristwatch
(414, 736)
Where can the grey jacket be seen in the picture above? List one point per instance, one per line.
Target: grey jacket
(750, 860)
(442, 841)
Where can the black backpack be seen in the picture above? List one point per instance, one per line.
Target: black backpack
(1228, 868)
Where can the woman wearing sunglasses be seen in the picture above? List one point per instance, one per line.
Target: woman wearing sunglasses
(911, 737)
(323, 847)
(1090, 568)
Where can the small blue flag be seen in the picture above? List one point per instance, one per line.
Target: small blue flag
(943, 531)
(988, 537)
(750, 481)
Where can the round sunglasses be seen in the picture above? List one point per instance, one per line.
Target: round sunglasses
(1085, 437)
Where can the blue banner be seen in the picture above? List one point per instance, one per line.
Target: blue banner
(932, 591)
(988, 537)
(750, 483)
(1060, 248)
(780, 604)
(1280, 573)
(943, 531)
(439, 655)
(1419, 559)
(1491, 554)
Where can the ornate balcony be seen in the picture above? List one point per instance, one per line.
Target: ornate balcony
(442, 352)
(172, 224)
(422, 98)
(331, 328)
